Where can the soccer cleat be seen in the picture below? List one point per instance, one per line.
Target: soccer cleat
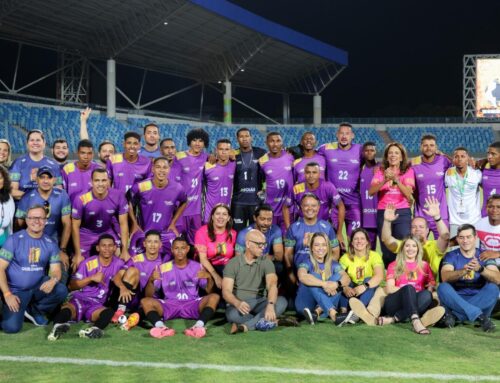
(161, 332)
(195, 332)
(58, 330)
(91, 333)
(486, 324)
(35, 318)
(312, 318)
(265, 325)
(132, 321)
(116, 316)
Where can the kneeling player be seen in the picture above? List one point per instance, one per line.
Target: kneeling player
(90, 287)
(180, 279)
(132, 280)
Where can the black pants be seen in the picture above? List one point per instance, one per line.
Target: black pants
(407, 302)
(242, 216)
(400, 228)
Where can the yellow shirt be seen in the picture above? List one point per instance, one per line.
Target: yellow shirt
(432, 255)
(359, 269)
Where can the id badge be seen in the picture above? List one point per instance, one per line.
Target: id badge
(461, 208)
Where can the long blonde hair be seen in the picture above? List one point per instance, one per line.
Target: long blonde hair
(401, 258)
(327, 272)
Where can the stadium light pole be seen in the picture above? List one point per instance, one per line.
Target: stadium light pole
(111, 88)
(286, 108)
(316, 109)
(228, 118)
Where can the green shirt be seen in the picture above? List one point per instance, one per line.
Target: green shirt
(249, 279)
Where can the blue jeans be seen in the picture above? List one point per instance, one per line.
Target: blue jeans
(258, 307)
(468, 307)
(366, 297)
(36, 300)
(311, 296)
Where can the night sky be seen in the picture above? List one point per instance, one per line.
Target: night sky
(405, 58)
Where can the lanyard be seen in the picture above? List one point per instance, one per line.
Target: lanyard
(460, 183)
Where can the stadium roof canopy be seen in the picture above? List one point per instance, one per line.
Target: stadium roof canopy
(203, 40)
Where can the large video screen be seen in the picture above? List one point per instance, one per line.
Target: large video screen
(488, 88)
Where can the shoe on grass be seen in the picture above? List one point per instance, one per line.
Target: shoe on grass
(486, 324)
(311, 317)
(288, 322)
(196, 332)
(265, 325)
(161, 332)
(432, 316)
(58, 330)
(92, 332)
(360, 310)
(36, 318)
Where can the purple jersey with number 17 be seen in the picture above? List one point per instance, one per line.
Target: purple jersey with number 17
(190, 173)
(219, 180)
(429, 182)
(156, 206)
(343, 170)
(279, 180)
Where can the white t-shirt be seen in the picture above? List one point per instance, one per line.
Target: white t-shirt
(463, 198)
(489, 236)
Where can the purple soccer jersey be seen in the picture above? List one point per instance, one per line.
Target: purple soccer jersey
(343, 170)
(491, 185)
(175, 171)
(190, 173)
(368, 203)
(429, 182)
(279, 180)
(96, 291)
(75, 180)
(219, 180)
(326, 192)
(98, 216)
(156, 206)
(124, 174)
(145, 266)
(299, 167)
(181, 284)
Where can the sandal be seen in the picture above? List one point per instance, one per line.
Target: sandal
(423, 331)
(383, 321)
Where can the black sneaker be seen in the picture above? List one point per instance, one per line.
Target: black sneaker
(58, 330)
(486, 324)
(312, 318)
(341, 319)
(288, 322)
(91, 333)
(448, 320)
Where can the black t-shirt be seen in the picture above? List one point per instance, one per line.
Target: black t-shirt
(248, 177)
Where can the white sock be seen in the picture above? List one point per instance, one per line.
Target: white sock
(199, 323)
(122, 307)
(160, 324)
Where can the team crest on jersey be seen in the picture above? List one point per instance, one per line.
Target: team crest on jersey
(209, 166)
(138, 258)
(92, 265)
(263, 159)
(288, 168)
(86, 198)
(420, 175)
(69, 168)
(297, 161)
(416, 160)
(166, 267)
(145, 186)
(168, 203)
(117, 158)
(34, 255)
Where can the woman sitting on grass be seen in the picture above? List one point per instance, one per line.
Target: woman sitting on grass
(366, 270)
(321, 279)
(409, 285)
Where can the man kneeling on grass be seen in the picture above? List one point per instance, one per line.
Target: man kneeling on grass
(246, 278)
(180, 280)
(90, 286)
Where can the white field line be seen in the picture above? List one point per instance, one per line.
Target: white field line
(236, 368)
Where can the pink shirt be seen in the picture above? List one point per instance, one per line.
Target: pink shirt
(390, 193)
(219, 252)
(420, 279)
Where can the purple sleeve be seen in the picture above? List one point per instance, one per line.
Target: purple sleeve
(122, 204)
(109, 169)
(77, 210)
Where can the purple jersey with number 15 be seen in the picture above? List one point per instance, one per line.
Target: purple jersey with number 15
(429, 182)
(343, 170)
(491, 185)
(368, 203)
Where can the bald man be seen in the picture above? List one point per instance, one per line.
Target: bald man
(246, 280)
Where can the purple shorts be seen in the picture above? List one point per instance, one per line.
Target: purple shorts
(188, 225)
(352, 218)
(85, 307)
(173, 308)
(278, 220)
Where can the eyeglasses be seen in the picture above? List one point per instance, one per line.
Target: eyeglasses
(261, 245)
(36, 218)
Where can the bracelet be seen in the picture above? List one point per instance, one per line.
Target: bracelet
(7, 294)
(481, 269)
(437, 219)
(366, 285)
